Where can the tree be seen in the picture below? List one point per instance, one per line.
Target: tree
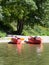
(46, 17)
(25, 11)
(17, 10)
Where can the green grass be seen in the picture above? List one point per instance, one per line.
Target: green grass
(36, 30)
(9, 55)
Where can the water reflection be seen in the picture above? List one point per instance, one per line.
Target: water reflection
(27, 56)
(30, 47)
(39, 48)
(19, 48)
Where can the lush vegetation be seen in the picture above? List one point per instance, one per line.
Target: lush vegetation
(26, 17)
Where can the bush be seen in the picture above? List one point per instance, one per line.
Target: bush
(2, 34)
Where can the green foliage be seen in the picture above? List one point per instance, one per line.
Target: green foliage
(17, 9)
(34, 14)
(37, 30)
(1, 16)
(2, 34)
(46, 18)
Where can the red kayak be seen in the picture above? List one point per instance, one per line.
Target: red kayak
(34, 40)
(17, 40)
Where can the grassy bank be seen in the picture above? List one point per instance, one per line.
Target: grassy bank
(27, 30)
(37, 30)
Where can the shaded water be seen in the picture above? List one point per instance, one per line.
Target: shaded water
(25, 54)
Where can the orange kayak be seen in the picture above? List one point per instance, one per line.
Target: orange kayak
(34, 40)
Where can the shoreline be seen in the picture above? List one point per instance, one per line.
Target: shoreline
(45, 39)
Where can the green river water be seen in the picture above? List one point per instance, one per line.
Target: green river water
(26, 54)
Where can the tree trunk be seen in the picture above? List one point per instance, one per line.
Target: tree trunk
(19, 26)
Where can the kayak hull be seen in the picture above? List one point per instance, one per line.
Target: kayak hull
(16, 41)
(32, 40)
